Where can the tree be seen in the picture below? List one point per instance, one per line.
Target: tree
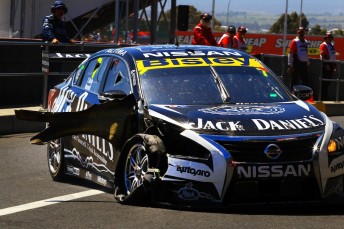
(293, 21)
(317, 30)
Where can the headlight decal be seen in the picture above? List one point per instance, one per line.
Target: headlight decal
(335, 147)
(191, 170)
(167, 119)
(324, 170)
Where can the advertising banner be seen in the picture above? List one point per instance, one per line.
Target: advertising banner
(259, 43)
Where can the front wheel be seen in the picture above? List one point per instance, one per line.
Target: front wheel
(56, 160)
(139, 154)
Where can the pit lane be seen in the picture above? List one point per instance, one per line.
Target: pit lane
(24, 179)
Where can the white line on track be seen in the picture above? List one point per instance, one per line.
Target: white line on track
(47, 202)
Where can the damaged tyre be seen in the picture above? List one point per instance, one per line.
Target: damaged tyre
(141, 155)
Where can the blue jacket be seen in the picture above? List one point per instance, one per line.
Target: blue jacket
(54, 28)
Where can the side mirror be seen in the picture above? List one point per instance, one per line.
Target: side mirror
(303, 92)
(111, 95)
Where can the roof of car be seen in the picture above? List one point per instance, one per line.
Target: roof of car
(163, 51)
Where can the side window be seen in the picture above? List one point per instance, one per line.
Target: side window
(94, 73)
(78, 73)
(118, 77)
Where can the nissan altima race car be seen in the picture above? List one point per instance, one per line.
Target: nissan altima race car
(190, 125)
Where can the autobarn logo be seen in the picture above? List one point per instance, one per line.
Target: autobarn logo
(244, 110)
(269, 171)
(337, 167)
(192, 171)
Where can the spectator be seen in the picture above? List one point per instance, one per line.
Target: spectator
(327, 52)
(227, 39)
(298, 61)
(239, 39)
(54, 28)
(202, 32)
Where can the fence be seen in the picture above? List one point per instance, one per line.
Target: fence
(279, 65)
(29, 69)
(23, 81)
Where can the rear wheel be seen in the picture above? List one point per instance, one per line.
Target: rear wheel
(56, 160)
(138, 155)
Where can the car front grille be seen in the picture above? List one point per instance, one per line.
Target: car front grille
(253, 151)
(274, 190)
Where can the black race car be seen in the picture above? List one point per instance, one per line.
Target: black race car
(190, 125)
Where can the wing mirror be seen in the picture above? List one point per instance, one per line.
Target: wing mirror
(303, 92)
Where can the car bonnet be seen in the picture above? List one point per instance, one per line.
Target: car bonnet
(243, 119)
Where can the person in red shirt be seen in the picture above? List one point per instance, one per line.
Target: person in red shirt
(227, 39)
(202, 32)
(239, 39)
(327, 53)
(298, 61)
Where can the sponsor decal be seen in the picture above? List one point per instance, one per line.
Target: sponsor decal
(269, 43)
(195, 172)
(88, 175)
(133, 76)
(191, 53)
(89, 83)
(259, 42)
(222, 126)
(69, 55)
(120, 52)
(99, 147)
(244, 110)
(336, 167)
(101, 180)
(73, 170)
(45, 61)
(86, 163)
(145, 65)
(269, 171)
(188, 193)
(339, 166)
(302, 123)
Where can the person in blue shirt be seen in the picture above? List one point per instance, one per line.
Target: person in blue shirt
(54, 27)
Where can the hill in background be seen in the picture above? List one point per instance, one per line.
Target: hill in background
(258, 22)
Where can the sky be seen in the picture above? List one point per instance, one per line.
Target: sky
(269, 6)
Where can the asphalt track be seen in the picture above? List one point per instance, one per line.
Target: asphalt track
(30, 199)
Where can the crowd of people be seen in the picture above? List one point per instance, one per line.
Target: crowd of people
(233, 38)
(54, 31)
(298, 61)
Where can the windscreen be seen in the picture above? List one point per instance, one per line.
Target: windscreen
(198, 83)
(187, 86)
(251, 85)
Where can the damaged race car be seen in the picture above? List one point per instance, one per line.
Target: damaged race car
(190, 125)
